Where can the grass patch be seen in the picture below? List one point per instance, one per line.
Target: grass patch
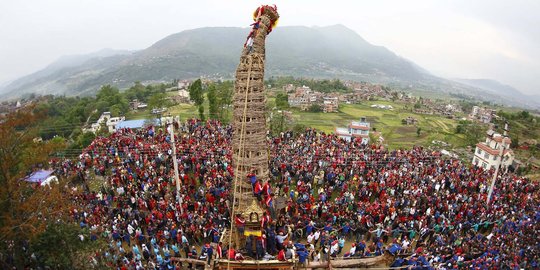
(388, 122)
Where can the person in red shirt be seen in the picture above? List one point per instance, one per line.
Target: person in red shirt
(231, 254)
(281, 255)
(219, 251)
(257, 190)
(240, 223)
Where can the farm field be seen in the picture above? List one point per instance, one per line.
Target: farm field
(388, 122)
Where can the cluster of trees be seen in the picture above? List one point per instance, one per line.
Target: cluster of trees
(472, 132)
(66, 115)
(35, 228)
(324, 86)
(523, 126)
(282, 100)
(219, 97)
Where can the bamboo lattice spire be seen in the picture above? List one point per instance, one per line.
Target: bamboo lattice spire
(250, 148)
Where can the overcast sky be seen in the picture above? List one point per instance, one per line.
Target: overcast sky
(497, 39)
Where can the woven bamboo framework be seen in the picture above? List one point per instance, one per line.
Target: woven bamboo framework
(250, 149)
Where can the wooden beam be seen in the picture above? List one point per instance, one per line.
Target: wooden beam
(188, 260)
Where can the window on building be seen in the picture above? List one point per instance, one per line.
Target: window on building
(484, 165)
(494, 157)
(486, 155)
(479, 151)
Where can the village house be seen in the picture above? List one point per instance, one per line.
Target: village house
(288, 88)
(183, 85)
(483, 115)
(488, 154)
(107, 120)
(356, 129)
(330, 104)
(409, 121)
(302, 98)
(137, 105)
(181, 97)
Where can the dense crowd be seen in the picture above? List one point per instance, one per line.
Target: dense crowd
(342, 199)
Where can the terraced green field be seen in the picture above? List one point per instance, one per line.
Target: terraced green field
(388, 122)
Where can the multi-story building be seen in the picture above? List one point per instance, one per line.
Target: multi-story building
(183, 85)
(484, 115)
(107, 120)
(302, 98)
(488, 154)
(356, 129)
(330, 104)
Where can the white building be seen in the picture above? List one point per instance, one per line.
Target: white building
(356, 129)
(484, 115)
(183, 84)
(487, 154)
(106, 119)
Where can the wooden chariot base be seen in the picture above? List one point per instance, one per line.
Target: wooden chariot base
(378, 262)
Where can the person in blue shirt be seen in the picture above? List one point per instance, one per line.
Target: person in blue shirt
(309, 228)
(328, 228)
(341, 244)
(136, 250)
(252, 178)
(127, 239)
(159, 259)
(302, 256)
(345, 230)
(210, 253)
(361, 248)
(176, 250)
(299, 246)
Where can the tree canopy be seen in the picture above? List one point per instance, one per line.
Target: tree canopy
(25, 209)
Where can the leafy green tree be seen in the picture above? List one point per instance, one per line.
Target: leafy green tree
(109, 96)
(107, 93)
(282, 100)
(201, 112)
(157, 100)
(213, 102)
(525, 114)
(473, 132)
(196, 92)
(299, 128)
(64, 246)
(225, 91)
(315, 108)
(25, 209)
(138, 91)
(85, 139)
(278, 123)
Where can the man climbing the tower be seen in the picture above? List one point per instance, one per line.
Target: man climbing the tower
(255, 26)
(249, 42)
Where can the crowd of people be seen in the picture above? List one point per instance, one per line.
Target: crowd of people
(342, 199)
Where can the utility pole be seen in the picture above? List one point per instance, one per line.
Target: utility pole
(175, 164)
(500, 163)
